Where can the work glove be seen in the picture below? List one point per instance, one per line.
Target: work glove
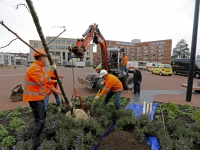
(96, 97)
(52, 67)
(102, 83)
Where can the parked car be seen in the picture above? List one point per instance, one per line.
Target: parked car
(181, 66)
(59, 64)
(69, 64)
(142, 65)
(80, 64)
(162, 69)
(151, 65)
(131, 65)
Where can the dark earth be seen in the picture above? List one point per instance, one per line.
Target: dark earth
(121, 140)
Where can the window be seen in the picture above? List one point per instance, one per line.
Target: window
(145, 51)
(138, 48)
(145, 58)
(152, 54)
(138, 52)
(160, 50)
(152, 51)
(138, 55)
(88, 53)
(152, 58)
(162, 42)
(152, 43)
(161, 46)
(87, 58)
(145, 47)
(159, 54)
(153, 47)
(35, 45)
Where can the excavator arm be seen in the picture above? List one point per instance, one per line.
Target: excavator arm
(91, 34)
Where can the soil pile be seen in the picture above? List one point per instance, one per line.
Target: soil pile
(119, 140)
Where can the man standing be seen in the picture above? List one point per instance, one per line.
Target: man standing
(113, 86)
(35, 90)
(124, 65)
(137, 79)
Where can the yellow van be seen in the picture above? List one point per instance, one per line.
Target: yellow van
(163, 69)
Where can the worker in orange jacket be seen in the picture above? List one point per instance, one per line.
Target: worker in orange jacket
(52, 88)
(35, 90)
(124, 65)
(112, 86)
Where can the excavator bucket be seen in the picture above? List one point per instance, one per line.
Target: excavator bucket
(86, 83)
(77, 51)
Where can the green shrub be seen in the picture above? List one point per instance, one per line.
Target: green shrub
(3, 113)
(196, 115)
(3, 132)
(13, 114)
(24, 145)
(88, 137)
(29, 111)
(48, 145)
(126, 119)
(18, 108)
(8, 141)
(16, 124)
(183, 143)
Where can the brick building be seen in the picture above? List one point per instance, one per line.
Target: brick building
(152, 51)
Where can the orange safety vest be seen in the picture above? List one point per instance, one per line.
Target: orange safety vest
(111, 83)
(51, 88)
(124, 60)
(35, 82)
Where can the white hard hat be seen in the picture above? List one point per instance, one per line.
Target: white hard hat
(103, 73)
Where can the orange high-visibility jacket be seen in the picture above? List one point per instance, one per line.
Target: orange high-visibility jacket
(51, 88)
(35, 82)
(124, 60)
(111, 83)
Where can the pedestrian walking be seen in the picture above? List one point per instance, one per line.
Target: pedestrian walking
(112, 86)
(137, 79)
(34, 92)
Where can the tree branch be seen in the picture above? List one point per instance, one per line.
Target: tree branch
(8, 43)
(58, 34)
(1, 22)
(40, 33)
(16, 7)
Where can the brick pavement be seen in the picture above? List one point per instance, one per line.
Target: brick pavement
(9, 78)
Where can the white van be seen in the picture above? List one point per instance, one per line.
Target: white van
(131, 65)
(151, 65)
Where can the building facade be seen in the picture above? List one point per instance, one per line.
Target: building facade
(58, 49)
(152, 51)
(7, 59)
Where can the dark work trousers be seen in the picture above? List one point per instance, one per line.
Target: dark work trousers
(137, 88)
(117, 96)
(39, 114)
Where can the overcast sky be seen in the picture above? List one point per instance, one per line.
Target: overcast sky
(118, 20)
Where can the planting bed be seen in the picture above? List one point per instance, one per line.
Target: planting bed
(176, 127)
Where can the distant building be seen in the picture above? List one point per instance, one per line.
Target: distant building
(7, 59)
(152, 51)
(135, 41)
(58, 49)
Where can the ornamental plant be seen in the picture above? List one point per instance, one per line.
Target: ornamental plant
(16, 124)
(18, 108)
(3, 132)
(3, 113)
(8, 141)
(14, 114)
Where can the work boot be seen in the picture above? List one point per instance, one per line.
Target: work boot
(36, 143)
